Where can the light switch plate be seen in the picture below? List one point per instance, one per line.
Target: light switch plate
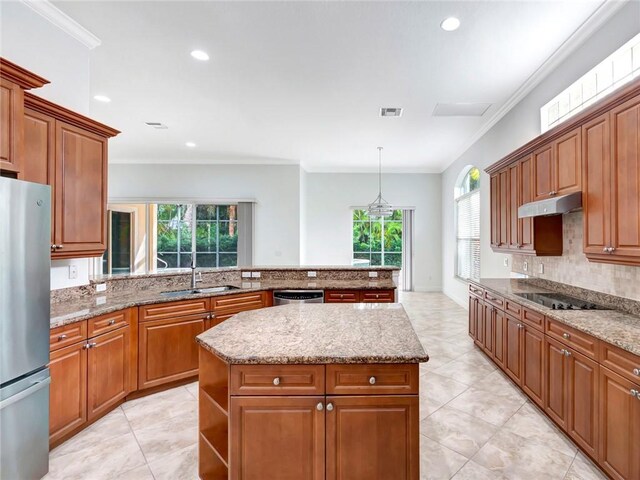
(73, 272)
(255, 274)
(101, 287)
(541, 268)
(246, 274)
(525, 266)
(311, 274)
(101, 300)
(505, 262)
(373, 274)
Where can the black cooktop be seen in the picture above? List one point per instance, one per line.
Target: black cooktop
(558, 301)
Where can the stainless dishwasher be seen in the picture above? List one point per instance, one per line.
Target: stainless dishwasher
(284, 297)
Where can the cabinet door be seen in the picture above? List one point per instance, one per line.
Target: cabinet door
(277, 437)
(533, 364)
(583, 401)
(499, 325)
(567, 163)
(495, 210)
(525, 225)
(543, 172)
(625, 185)
(372, 437)
(619, 426)
(168, 350)
(505, 209)
(472, 315)
(68, 393)
(479, 339)
(11, 126)
(341, 296)
(80, 192)
(488, 314)
(596, 178)
(556, 400)
(109, 369)
(515, 189)
(512, 343)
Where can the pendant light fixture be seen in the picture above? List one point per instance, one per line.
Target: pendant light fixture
(380, 207)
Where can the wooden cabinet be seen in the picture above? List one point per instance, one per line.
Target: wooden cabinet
(277, 436)
(359, 296)
(533, 364)
(583, 395)
(495, 210)
(372, 437)
(619, 426)
(513, 348)
(556, 403)
(543, 172)
(557, 168)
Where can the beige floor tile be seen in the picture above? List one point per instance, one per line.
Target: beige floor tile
(473, 471)
(192, 388)
(493, 407)
(530, 423)
(458, 431)
(159, 407)
(178, 465)
(438, 462)
(497, 382)
(464, 371)
(139, 473)
(515, 457)
(436, 390)
(160, 439)
(583, 469)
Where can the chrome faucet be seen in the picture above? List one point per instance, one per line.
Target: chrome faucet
(194, 280)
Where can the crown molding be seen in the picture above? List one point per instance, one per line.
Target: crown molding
(64, 22)
(21, 76)
(598, 18)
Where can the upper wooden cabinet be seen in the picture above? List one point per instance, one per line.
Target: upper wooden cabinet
(69, 152)
(557, 167)
(14, 80)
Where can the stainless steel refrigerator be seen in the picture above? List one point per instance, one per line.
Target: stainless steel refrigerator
(25, 232)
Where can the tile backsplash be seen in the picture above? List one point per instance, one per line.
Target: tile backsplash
(573, 268)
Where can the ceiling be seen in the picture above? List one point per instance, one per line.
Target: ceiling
(303, 82)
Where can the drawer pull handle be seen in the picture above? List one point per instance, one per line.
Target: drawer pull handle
(636, 372)
(319, 406)
(62, 337)
(276, 381)
(566, 336)
(341, 296)
(377, 296)
(372, 380)
(329, 407)
(112, 322)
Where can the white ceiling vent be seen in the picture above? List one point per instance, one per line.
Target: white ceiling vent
(390, 111)
(157, 125)
(460, 109)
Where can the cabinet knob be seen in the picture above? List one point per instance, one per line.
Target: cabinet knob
(329, 407)
(372, 380)
(89, 345)
(319, 406)
(566, 336)
(58, 247)
(553, 193)
(112, 322)
(611, 249)
(567, 353)
(636, 372)
(276, 381)
(605, 250)
(633, 392)
(377, 296)
(62, 337)
(341, 296)
(53, 247)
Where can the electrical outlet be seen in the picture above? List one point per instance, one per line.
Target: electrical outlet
(101, 300)
(246, 274)
(311, 274)
(525, 266)
(505, 262)
(373, 274)
(541, 268)
(101, 287)
(255, 274)
(73, 272)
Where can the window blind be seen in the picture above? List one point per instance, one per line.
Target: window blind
(468, 236)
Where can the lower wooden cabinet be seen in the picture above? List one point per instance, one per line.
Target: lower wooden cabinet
(488, 321)
(372, 437)
(619, 452)
(533, 364)
(68, 391)
(513, 347)
(583, 396)
(359, 296)
(277, 437)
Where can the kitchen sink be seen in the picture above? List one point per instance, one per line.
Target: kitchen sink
(179, 293)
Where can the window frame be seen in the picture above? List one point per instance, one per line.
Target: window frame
(382, 251)
(456, 200)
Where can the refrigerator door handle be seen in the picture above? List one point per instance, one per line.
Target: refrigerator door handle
(25, 393)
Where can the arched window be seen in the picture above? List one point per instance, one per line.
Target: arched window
(467, 199)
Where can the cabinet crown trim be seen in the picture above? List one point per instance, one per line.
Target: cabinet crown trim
(20, 76)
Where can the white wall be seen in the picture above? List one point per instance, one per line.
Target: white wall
(32, 42)
(275, 188)
(518, 127)
(328, 218)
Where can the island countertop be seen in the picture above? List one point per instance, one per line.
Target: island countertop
(317, 334)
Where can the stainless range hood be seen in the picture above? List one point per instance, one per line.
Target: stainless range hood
(551, 206)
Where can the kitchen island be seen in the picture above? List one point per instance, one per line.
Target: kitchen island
(310, 391)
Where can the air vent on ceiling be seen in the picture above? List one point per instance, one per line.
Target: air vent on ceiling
(156, 125)
(390, 111)
(460, 109)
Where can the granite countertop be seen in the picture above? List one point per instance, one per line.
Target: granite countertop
(317, 334)
(613, 326)
(71, 311)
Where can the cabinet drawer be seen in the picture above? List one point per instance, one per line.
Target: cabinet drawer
(533, 319)
(238, 303)
(338, 296)
(475, 290)
(620, 361)
(495, 300)
(109, 322)
(581, 342)
(401, 379)
(378, 296)
(67, 334)
(160, 311)
(513, 308)
(277, 380)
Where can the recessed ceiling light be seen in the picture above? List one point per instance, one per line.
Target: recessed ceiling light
(102, 98)
(450, 24)
(190, 144)
(200, 55)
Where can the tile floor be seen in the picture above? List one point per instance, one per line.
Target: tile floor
(475, 424)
